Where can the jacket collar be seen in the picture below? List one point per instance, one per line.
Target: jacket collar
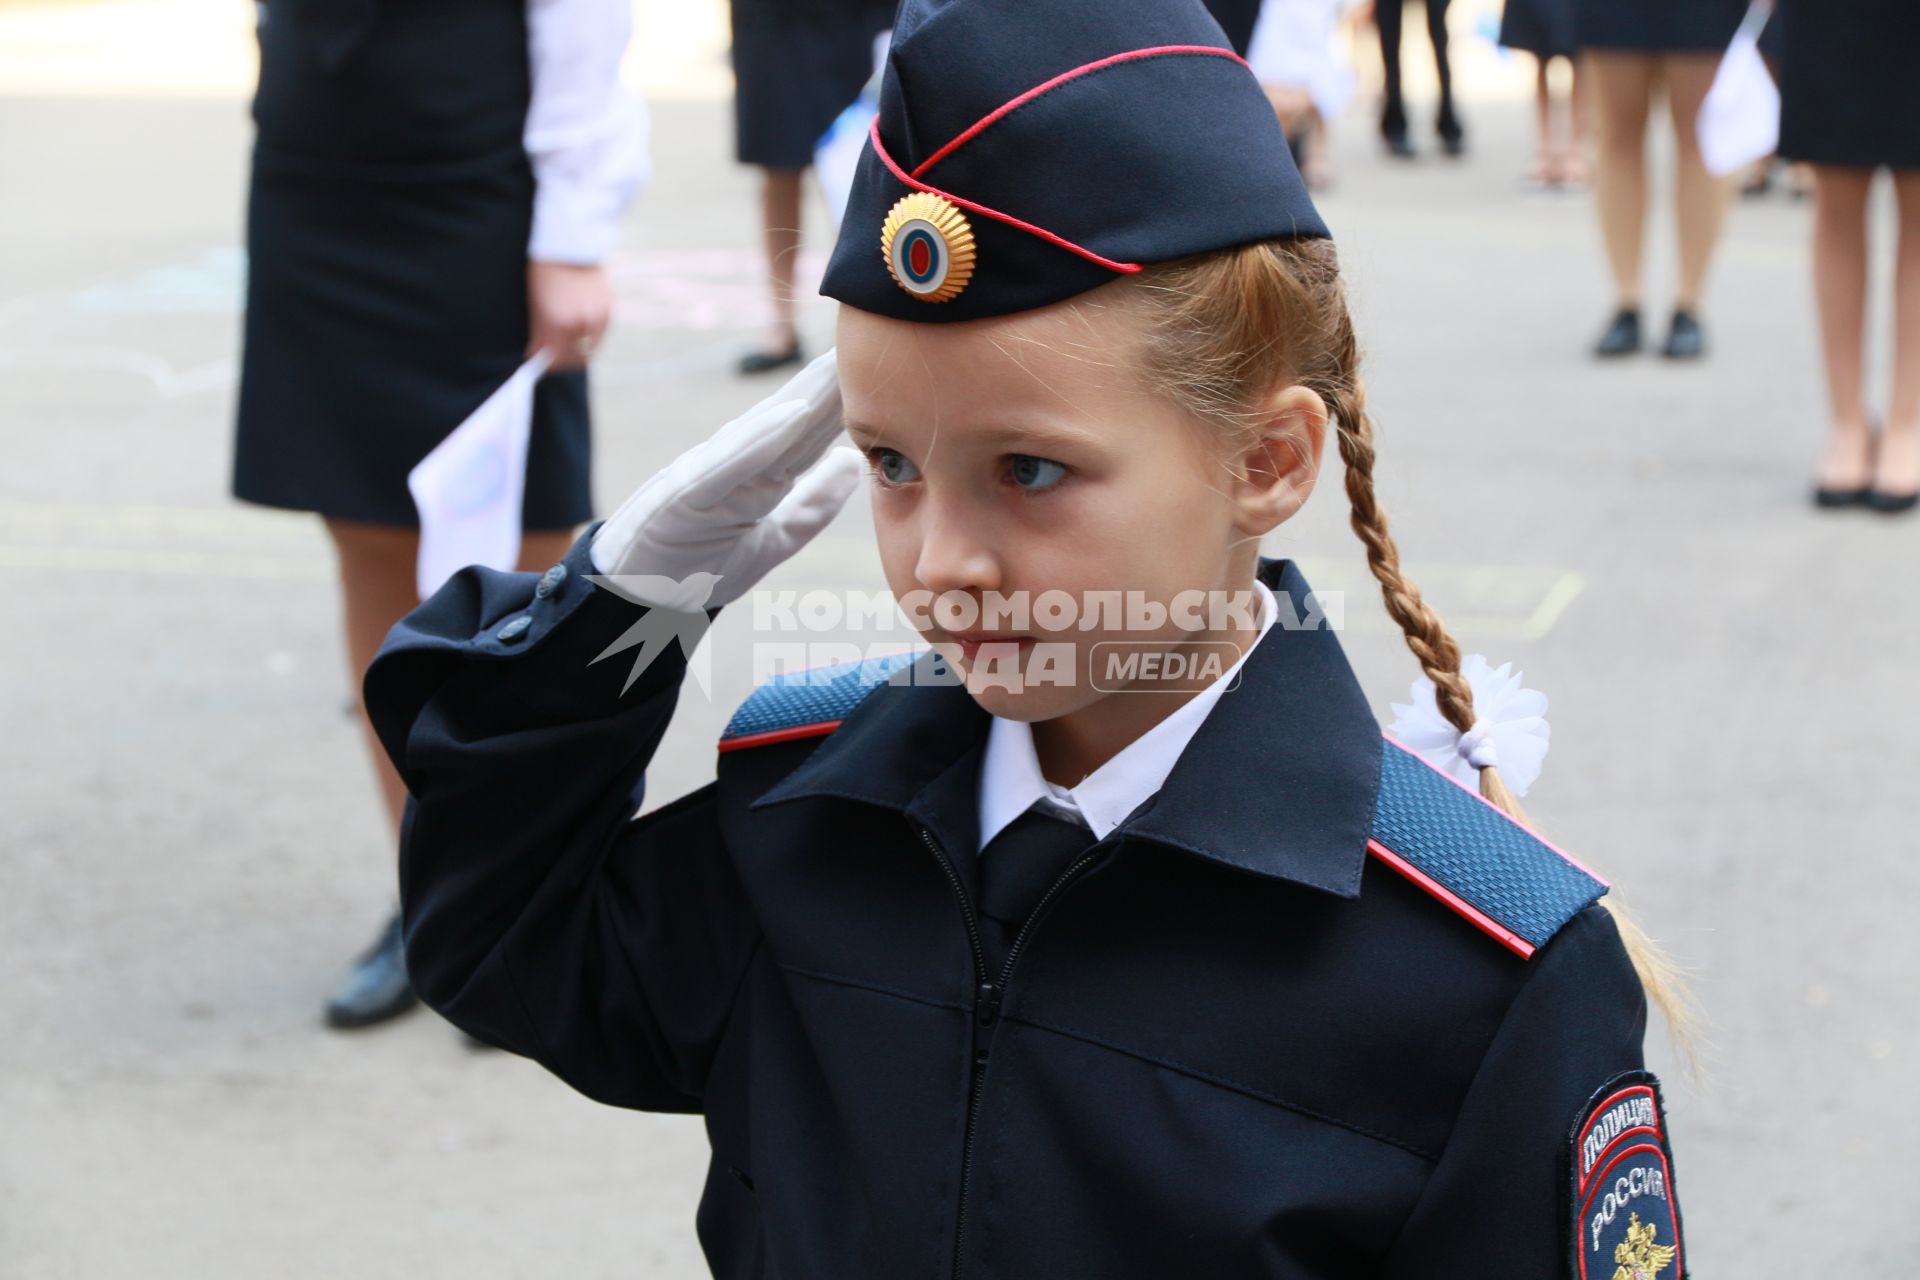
(1297, 806)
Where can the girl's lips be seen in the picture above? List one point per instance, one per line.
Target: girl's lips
(970, 642)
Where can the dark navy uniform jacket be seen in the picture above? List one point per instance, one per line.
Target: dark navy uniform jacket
(1312, 1011)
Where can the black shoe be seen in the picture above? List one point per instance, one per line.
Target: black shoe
(1686, 340)
(766, 361)
(378, 988)
(1393, 132)
(1892, 504)
(1622, 337)
(1453, 136)
(1828, 499)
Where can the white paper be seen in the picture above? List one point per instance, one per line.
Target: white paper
(1740, 119)
(469, 490)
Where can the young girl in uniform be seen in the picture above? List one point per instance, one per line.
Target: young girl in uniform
(974, 971)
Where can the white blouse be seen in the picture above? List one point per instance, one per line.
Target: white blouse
(585, 135)
(1011, 781)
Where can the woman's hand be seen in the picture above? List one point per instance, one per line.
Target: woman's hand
(737, 504)
(568, 309)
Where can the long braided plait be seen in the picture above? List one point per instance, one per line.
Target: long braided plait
(1435, 650)
(1225, 330)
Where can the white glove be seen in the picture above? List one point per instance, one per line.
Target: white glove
(719, 517)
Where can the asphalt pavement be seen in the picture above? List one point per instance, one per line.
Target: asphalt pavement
(190, 848)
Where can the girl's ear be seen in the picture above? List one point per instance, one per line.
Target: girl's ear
(1275, 473)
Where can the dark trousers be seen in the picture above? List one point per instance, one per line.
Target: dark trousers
(1389, 13)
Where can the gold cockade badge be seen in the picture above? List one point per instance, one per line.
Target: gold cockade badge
(928, 245)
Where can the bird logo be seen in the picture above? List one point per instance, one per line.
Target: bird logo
(676, 610)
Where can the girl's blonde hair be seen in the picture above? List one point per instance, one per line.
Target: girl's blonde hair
(1225, 330)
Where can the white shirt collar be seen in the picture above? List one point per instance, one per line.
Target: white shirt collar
(1011, 781)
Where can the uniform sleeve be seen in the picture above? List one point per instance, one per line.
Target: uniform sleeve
(1502, 1199)
(539, 914)
(585, 136)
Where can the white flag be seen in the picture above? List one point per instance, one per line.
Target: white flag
(1740, 119)
(470, 488)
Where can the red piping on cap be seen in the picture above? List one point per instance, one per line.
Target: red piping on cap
(973, 131)
(906, 179)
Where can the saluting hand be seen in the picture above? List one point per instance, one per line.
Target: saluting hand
(738, 503)
(568, 310)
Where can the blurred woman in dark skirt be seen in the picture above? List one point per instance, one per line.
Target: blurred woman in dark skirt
(1850, 105)
(1544, 28)
(434, 186)
(1632, 50)
(797, 64)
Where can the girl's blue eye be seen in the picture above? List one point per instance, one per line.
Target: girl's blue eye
(1036, 474)
(891, 466)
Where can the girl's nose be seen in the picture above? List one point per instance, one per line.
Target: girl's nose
(956, 553)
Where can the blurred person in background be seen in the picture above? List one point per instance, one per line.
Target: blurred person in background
(1631, 51)
(1544, 28)
(1388, 16)
(797, 64)
(1850, 106)
(435, 186)
(1295, 52)
(1237, 19)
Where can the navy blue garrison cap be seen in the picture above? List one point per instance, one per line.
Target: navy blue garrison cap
(1029, 150)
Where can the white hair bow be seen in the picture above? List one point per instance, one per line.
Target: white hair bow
(1509, 731)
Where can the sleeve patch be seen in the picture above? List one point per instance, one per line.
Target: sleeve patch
(1625, 1219)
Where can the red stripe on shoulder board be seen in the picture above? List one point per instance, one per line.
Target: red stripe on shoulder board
(814, 730)
(1479, 919)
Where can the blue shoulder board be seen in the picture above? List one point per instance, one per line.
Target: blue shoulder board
(1479, 861)
(806, 704)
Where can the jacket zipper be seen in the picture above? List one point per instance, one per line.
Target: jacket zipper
(986, 1008)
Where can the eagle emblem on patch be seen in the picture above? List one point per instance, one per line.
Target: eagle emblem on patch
(928, 245)
(1639, 1257)
(1624, 1217)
